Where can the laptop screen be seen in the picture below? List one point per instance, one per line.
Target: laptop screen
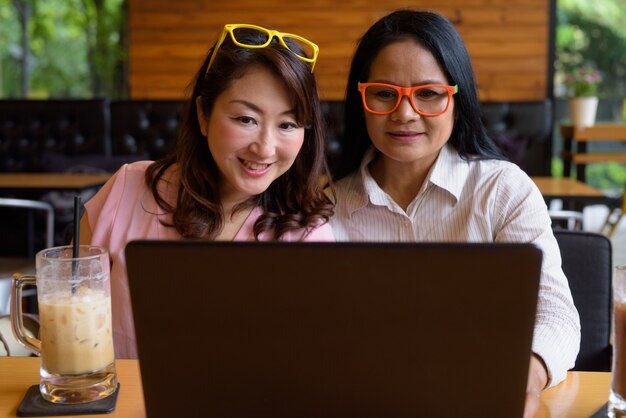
(333, 329)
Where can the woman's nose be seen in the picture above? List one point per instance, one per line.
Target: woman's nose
(264, 145)
(405, 112)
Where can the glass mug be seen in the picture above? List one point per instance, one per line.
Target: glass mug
(617, 395)
(76, 346)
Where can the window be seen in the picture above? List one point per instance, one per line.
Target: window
(593, 34)
(63, 48)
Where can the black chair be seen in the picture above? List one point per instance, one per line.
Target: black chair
(37, 134)
(144, 129)
(29, 206)
(588, 265)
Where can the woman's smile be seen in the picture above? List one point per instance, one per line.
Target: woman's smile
(402, 135)
(254, 168)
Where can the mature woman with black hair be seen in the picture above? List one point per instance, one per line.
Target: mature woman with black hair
(422, 168)
(247, 164)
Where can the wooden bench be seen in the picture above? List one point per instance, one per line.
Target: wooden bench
(580, 137)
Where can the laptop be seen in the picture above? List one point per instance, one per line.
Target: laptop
(248, 329)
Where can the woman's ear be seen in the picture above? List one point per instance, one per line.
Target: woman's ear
(202, 119)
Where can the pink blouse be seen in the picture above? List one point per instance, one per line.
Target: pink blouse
(124, 210)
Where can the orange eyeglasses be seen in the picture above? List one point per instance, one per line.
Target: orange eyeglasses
(427, 100)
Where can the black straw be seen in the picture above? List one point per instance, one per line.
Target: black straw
(76, 244)
(76, 226)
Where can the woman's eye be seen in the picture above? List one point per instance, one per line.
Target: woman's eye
(246, 120)
(386, 94)
(427, 94)
(288, 126)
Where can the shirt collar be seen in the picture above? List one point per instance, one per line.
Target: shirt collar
(448, 173)
(372, 190)
(361, 184)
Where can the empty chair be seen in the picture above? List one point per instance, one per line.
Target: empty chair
(11, 263)
(587, 263)
(25, 264)
(566, 219)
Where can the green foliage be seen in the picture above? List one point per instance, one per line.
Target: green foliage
(556, 167)
(594, 34)
(609, 177)
(75, 49)
(9, 45)
(584, 38)
(60, 68)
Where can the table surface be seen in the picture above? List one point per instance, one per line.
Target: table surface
(17, 374)
(52, 181)
(598, 132)
(579, 396)
(551, 187)
(547, 185)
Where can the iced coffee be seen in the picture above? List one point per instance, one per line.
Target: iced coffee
(76, 346)
(76, 333)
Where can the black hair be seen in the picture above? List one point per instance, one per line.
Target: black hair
(437, 34)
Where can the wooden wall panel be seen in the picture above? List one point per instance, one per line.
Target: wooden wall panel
(507, 39)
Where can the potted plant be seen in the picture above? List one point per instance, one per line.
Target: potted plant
(582, 85)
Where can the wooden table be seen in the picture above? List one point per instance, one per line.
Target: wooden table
(578, 397)
(44, 182)
(567, 188)
(18, 373)
(574, 193)
(575, 142)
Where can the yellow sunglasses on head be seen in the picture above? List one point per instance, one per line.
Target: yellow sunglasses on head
(309, 49)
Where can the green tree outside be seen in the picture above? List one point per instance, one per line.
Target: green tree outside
(76, 49)
(594, 33)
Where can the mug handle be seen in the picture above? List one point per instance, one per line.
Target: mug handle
(17, 322)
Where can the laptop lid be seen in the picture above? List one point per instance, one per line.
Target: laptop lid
(240, 329)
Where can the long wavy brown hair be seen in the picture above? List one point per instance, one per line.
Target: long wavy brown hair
(295, 200)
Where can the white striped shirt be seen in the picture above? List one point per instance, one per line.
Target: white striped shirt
(471, 201)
